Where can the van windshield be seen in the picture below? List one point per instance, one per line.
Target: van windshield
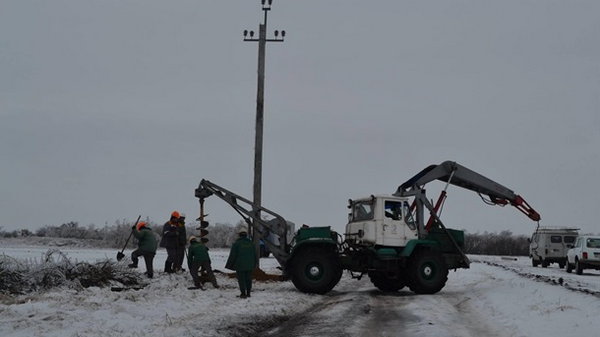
(569, 239)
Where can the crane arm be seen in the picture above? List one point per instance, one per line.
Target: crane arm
(251, 212)
(458, 175)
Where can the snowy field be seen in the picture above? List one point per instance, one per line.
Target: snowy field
(496, 297)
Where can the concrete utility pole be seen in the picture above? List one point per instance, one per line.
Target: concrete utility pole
(258, 142)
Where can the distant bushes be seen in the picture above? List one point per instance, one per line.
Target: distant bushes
(220, 235)
(503, 243)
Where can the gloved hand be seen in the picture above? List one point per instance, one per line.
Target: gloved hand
(133, 227)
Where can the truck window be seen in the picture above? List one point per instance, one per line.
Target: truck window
(393, 210)
(362, 211)
(408, 217)
(593, 243)
(555, 238)
(569, 239)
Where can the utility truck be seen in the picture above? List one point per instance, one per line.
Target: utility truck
(389, 238)
(550, 245)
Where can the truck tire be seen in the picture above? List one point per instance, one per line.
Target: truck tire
(315, 270)
(534, 262)
(427, 272)
(568, 267)
(384, 283)
(545, 264)
(578, 267)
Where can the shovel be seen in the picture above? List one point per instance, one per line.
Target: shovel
(120, 254)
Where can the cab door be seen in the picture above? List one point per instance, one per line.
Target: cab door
(393, 227)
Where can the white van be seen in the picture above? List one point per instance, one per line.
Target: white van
(550, 245)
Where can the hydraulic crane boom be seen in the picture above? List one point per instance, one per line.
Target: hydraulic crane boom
(250, 213)
(458, 175)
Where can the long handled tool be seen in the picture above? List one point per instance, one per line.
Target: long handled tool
(120, 254)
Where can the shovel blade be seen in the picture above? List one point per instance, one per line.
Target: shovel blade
(120, 256)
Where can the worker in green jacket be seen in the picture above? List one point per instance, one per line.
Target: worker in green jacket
(198, 258)
(242, 259)
(146, 247)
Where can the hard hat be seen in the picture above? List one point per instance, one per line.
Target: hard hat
(242, 230)
(175, 214)
(140, 225)
(192, 238)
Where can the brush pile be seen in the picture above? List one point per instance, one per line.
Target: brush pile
(56, 270)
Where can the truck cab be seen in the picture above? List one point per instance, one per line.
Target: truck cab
(381, 220)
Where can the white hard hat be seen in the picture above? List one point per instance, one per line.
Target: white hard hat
(242, 230)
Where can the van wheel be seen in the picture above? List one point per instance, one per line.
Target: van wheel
(561, 265)
(578, 267)
(535, 262)
(568, 267)
(544, 264)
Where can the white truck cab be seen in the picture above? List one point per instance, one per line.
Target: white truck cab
(382, 220)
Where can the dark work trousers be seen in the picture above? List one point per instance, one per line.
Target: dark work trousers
(195, 266)
(148, 258)
(244, 281)
(171, 261)
(180, 256)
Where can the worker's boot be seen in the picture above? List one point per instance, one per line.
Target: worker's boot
(168, 267)
(132, 265)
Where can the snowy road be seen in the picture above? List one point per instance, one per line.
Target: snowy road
(496, 297)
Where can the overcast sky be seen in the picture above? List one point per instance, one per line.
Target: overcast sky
(110, 109)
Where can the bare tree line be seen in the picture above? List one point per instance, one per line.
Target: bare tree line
(222, 235)
(503, 243)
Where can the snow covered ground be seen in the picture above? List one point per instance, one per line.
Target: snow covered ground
(496, 297)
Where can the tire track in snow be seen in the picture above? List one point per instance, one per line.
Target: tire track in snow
(366, 311)
(557, 281)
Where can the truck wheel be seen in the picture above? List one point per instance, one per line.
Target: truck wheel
(315, 270)
(535, 262)
(568, 267)
(427, 272)
(578, 267)
(544, 264)
(561, 265)
(384, 283)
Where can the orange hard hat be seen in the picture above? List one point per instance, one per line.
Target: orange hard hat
(175, 214)
(140, 225)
